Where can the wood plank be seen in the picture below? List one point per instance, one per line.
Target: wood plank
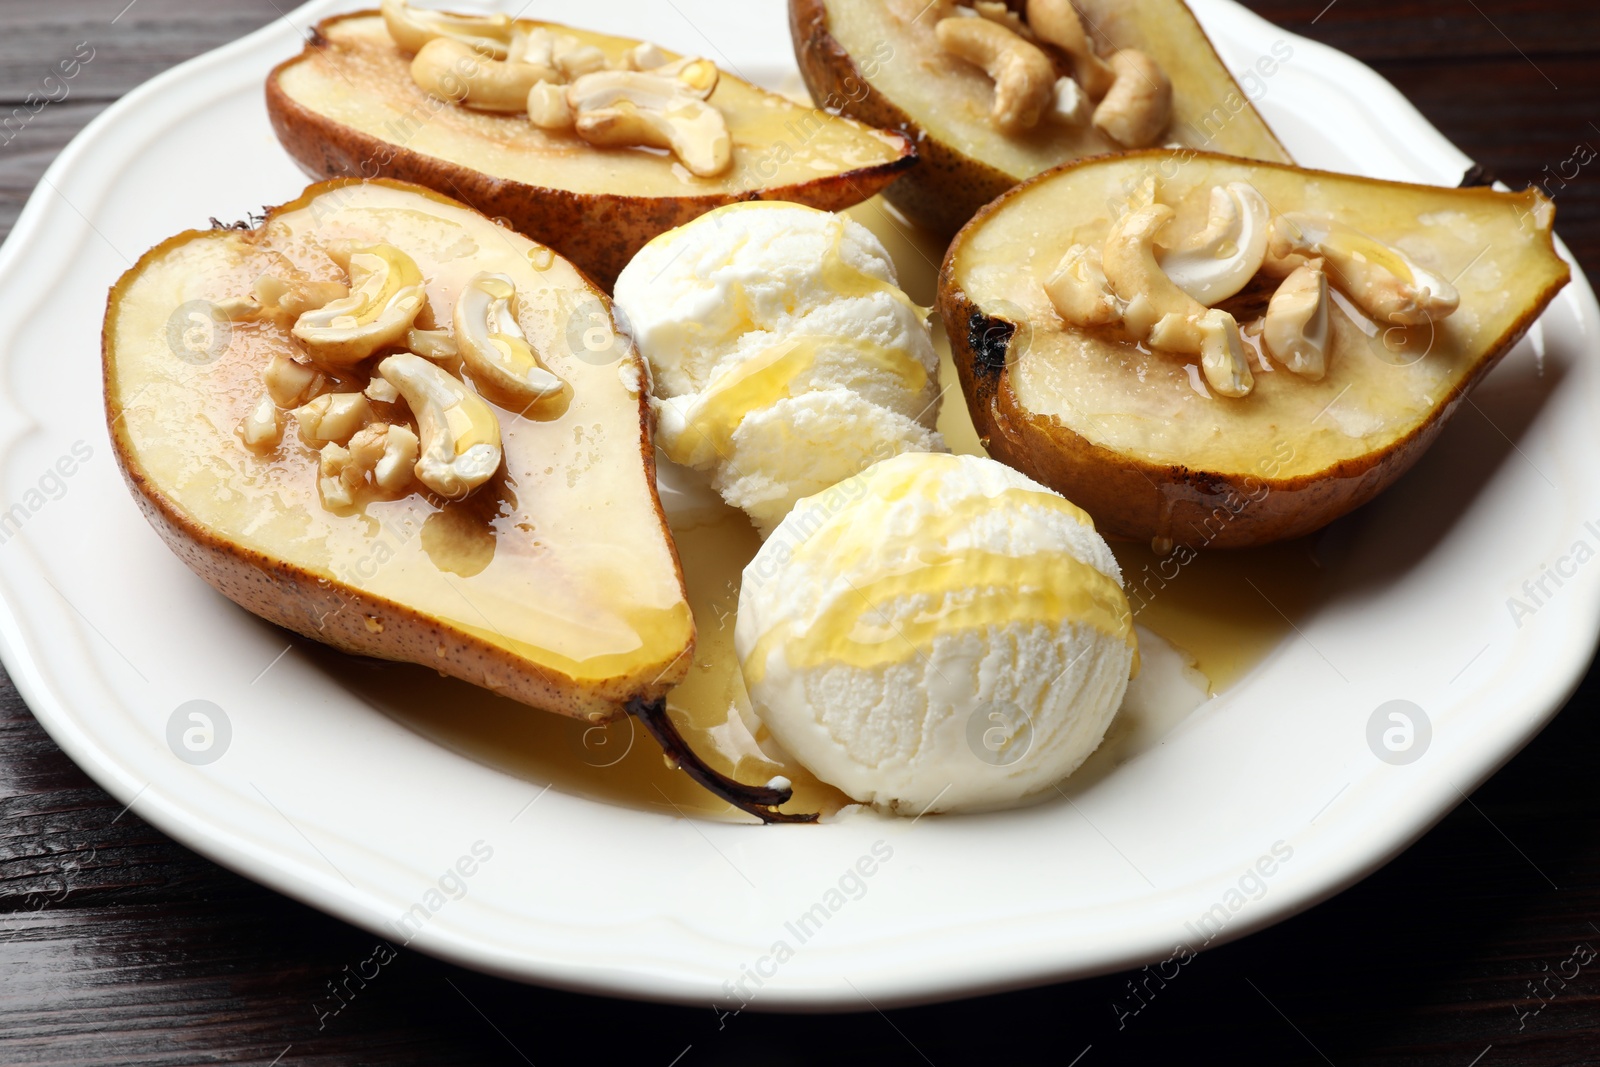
(150, 37)
(118, 946)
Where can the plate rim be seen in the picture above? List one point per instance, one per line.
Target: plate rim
(37, 690)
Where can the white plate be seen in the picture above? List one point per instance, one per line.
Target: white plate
(324, 797)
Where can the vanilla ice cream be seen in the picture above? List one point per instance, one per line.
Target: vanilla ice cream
(784, 355)
(937, 633)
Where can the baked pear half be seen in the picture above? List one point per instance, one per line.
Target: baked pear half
(1205, 351)
(300, 410)
(589, 143)
(993, 93)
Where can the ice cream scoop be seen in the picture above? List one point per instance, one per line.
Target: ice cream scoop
(784, 355)
(937, 633)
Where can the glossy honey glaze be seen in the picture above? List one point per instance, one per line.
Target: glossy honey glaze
(1225, 610)
(517, 564)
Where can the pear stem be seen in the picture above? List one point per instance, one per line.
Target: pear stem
(757, 800)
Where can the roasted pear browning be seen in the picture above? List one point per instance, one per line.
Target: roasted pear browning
(1204, 351)
(591, 144)
(994, 93)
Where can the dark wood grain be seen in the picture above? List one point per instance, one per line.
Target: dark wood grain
(118, 946)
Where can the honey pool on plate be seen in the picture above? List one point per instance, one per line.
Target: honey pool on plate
(1225, 610)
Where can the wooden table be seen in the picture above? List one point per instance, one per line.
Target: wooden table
(118, 946)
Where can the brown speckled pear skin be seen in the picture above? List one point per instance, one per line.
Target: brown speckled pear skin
(1133, 498)
(599, 232)
(947, 186)
(350, 619)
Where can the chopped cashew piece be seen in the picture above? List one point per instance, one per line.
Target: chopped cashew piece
(276, 299)
(999, 11)
(627, 108)
(1136, 109)
(548, 108)
(332, 417)
(1220, 260)
(1024, 77)
(450, 70)
(1381, 280)
(290, 384)
(559, 51)
(1072, 103)
(385, 452)
(1056, 22)
(262, 429)
(412, 28)
(380, 456)
(494, 347)
(238, 308)
(644, 56)
(385, 296)
(332, 461)
(380, 391)
(1295, 330)
(1159, 313)
(1079, 291)
(437, 345)
(293, 298)
(460, 434)
(1222, 358)
(698, 77)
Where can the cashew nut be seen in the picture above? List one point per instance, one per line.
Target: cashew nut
(460, 434)
(385, 296)
(387, 452)
(1220, 260)
(1139, 103)
(290, 384)
(1295, 330)
(548, 108)
(436, 345)
(999, 11)
(1151, 301)
(1071, 107)
(379, 391)
(1222, 358)
(695, 76)
(645, 56)
(331, 486)
(291, 298)
(412, 28)
(494, 347)
(381, 455)
(627, 108)
(332, 417)
(1379, 279)
(1056, 22)
(561, 51)
(262, 429)
(1024, 77)
(1079, 291)
(449, 70)
(278, 300)
(1158, 312)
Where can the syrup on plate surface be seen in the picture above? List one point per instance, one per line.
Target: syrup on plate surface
(1222, 613)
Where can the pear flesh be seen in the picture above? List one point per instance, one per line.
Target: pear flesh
(1134, 434)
